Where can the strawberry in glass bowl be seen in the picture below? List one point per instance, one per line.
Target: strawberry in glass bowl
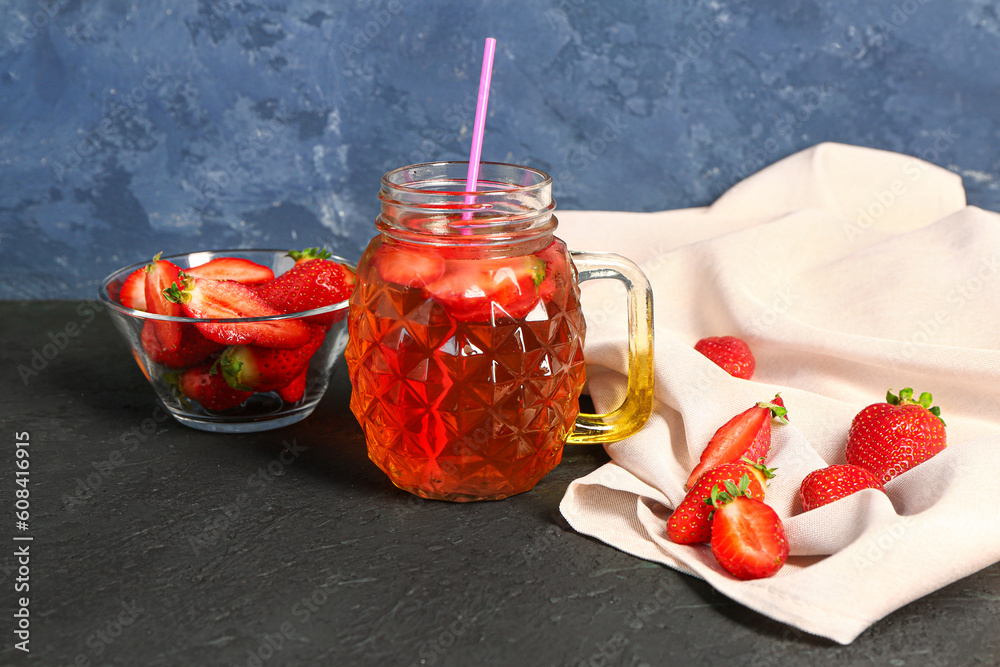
(235, 341)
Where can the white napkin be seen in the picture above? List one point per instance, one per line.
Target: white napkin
(849, 271)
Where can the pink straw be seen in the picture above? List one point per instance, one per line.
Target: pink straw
(472, 181)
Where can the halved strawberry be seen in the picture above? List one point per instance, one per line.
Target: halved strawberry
(133, 291)
(748, 538)
(253, 368)
(516, 283)
(294, 390)
(193, 347)
(160, 276)
(232, 268)
(747, 434)
(408, 268)
(207, 386)
(691, 522)
(314, 282)
(205, 298)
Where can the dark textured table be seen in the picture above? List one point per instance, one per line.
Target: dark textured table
(155, 544)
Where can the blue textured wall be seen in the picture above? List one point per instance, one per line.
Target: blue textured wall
(127, 128)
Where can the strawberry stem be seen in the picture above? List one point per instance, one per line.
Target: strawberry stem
(537, 271)
(906, 398)
(230, 371)
(720, 499)
(778, 412)
(768, 473)
(156, 258)
(173, 381)
(309, 253)
(182, 293)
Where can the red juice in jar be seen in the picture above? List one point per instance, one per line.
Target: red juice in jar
(467, 365)
(466, 334)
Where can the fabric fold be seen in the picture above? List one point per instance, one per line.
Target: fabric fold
(849, 271)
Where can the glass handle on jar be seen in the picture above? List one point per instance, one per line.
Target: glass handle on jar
(634, 411)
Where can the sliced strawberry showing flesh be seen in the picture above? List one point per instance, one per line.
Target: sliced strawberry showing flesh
(193, 348)
(233, 268)
(205, 298)
(691, 521)
(747, 434)
(515, 284)
(253, 368)
(294, 390)
(133, 292)
(460, 293)
(408, 268)
(476, 290)
(748, 538)
(160, 276)
(207, 386)
(761, 445)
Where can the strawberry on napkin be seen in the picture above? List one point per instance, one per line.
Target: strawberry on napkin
(848, 271)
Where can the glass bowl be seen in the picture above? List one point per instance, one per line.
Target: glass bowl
(262, 410)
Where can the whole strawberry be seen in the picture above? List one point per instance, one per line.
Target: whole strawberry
(206, 385)
(730, 353)
(890, 438)
(315, 281)
(748, 434)
(253, 368)
(691, 522)
(823, 486)
(294, 390)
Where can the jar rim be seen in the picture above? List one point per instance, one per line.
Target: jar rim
(544, 179)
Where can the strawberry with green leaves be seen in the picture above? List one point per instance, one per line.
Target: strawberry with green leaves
(203, 383)
(890, 438)
(748, 538)
(748, 434)
(691, 521)
(826, 485)
(208, 299)
(314, 282)
(254, 368)
(729, 353)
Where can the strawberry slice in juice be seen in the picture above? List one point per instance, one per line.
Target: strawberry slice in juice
(408, 268)
(478, 290)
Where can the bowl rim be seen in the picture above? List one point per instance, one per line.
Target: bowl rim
(141, 314)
